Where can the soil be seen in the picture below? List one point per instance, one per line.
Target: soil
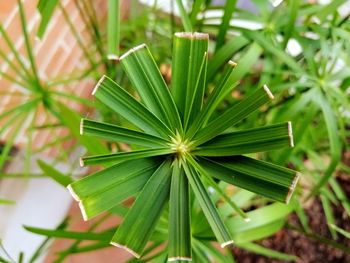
(307, 249)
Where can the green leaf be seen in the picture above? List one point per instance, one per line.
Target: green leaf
(329, 8)
(116, 133)
(138, 225)
(188, 81)
(340, 231)
(225, 22)
(271, 137)
(335, 145)
(264, 222)
(70, 234)
(269, 47)
(28, 46)
(233, 115)
(127, 185)
(112, 95)
(184, 16)
(55, 174)
(179, 247)
(208, 207)
(46, 9)
(145, 76)
(260, 177)
(123, 156)
(100, 181)
(224, 54)
(113, 29)
(270, 253)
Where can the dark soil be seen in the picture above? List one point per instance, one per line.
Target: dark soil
(307, 249)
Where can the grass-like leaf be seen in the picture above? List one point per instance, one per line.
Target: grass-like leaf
(145, 76)
(141, 220)
(271, 137)
(233, 115)
(179, 217)
(101, 180)
(119, 134)
(56, 175)
(208, 207)
(113, 28)
(123, 156)
(188, 52)
(253, 175)
(111, 94)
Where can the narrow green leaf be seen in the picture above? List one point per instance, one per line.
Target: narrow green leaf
(125, 186)
(55, 174)
(208, 207)
(224, 54)
(329, 9)
(113, 28)
(116, 133)
(270, 253)
(269, 47)
(210, 181)
(46, 9)
(234, 114)
(292, 16)
(188, 52)
(196, 9)
(186, 22)
(142, 70)
(112, 95)
(253, 175)
(340, 231)
(101, 180)
(70, 234)
(335, 145)
(138, 225)
(179, 247)
(123, 156)
(225, 22)
(271, 137)
(326, 204)
(231, 78)
(28, 45)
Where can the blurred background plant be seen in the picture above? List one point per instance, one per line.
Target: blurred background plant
(300, 48)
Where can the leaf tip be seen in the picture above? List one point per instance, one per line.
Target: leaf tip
(83, 212)
(73, 194)
(225, 244)
(81, 162)
(232, 63)
(81, 127)
(268, 92)
(98, 85)
(132, 50)
(179, 258)
(290, 134)
(132, 252)
(112, 57)
(247, 219)
(292, 187)
(190, 35)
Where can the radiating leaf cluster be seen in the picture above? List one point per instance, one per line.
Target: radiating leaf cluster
(182, 151)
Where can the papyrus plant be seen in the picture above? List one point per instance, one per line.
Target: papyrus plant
(183, 150)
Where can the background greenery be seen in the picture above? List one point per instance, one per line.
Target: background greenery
(311, 90)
